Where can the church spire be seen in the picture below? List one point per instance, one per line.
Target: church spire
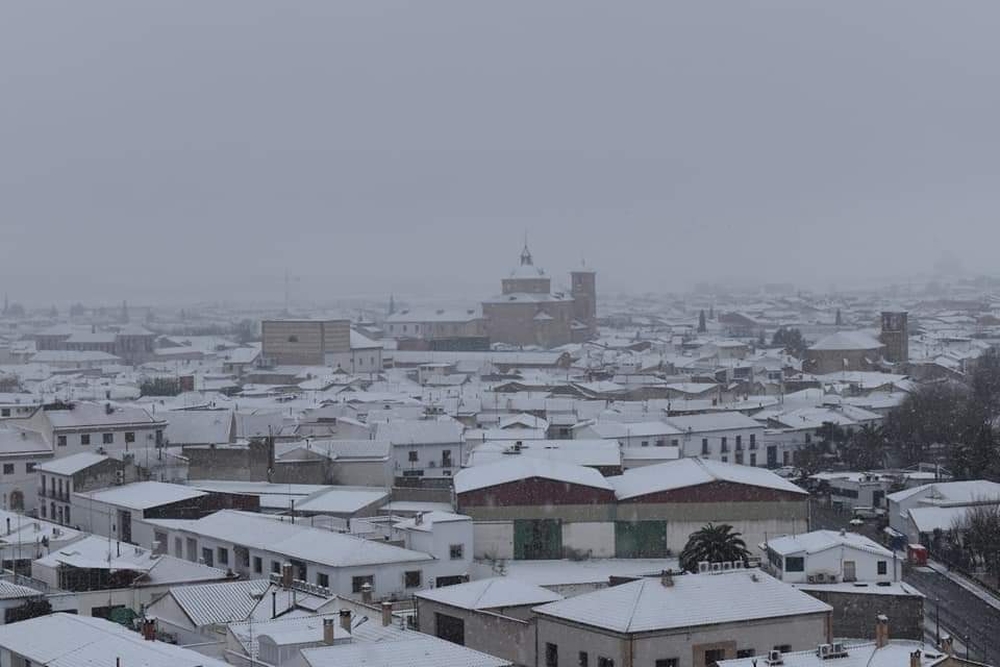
(526, 254)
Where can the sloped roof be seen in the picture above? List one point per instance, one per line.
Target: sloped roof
(226, 602)
(821, 540)
(419, 650)
(142, 495)
(687, 472)
(847, 340)
(491, 593)
(70, 465)
(694, 600)
(521, 468)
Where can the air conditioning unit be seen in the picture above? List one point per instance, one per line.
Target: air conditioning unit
(811, 578)
(119, 477)
(837, 650)
(727, 566)
(716, 568)
(737, 565)
(774, 657)
(820, 577)
(703, 567)
(823, 651)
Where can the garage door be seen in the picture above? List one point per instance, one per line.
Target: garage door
(537, 539)
(641, 539)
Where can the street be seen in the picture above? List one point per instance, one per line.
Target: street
(973, 623)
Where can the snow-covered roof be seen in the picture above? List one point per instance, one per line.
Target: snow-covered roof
(614, 430)
(418, 650)
(951, 493)
(693, 600)
(715, 421)
(847, 340)
(142, 495)
(70, 640)
(72, 464)
(421, 432)
(85, 415)
(428, 519)
(821, 540)
(492, 593)
(687, 472)
(298, 541)
(579, 452)
(521, 468)
(897, 652)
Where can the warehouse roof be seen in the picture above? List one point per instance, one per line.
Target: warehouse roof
(417, 651)
(142, 495)
(688, 472)
(521, 468)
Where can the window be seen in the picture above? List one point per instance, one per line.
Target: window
(42, 510)
(258, 565)
(605, 662)
(178, 547)
(704, 446)
(808, 439)
(795, 564)
(129, 436)
(725, 443)
(8, 468)
(412, 579)
(5, 412)
(675, 443)
(61, 440)
(456, 551)
(753, 459)
(413, 455)
(666, 662)
(725, 459)
(551, 655)
(223, 556)
(85, 439)
(206, 556)
(714, 655)
(739, 443)
(108, 438)
(883, 567)
(322, 579)
(293, 339)
(30, 466)
(358, 582)
(446, 458)
(275, 567)
(584, 659)
(753, 441)
(66, 514)
(645, 443)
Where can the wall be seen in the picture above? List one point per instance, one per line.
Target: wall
(597, 538)
(493, 539)
(687, 645)
(502, 636)
(249, 463)
(831, 561)
(854, 612)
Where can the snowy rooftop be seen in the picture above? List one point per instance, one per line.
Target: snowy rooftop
(821, 540)
(520, 468)
(418, 650)
(298, 541)
(142, 495)
(492, 593)
(70, 465)
(69, 640)
(693, 472)
(693, 600)
(895, 653)
(847, 340)
(716, 421)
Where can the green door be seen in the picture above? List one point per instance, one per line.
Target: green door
(641, 539)
(537, 539)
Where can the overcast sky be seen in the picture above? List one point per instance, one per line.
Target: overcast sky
(165, 150)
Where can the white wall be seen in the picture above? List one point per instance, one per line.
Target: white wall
(597, 537)
(494, 539)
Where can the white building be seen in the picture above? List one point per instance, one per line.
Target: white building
(921, 509)
(255, 545)
(21, 450)
(691, 620)
(827, 556)
(730, 437)
(425, 448)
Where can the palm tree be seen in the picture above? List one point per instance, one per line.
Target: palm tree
(715, 544)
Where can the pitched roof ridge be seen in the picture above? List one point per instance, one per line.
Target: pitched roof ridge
(635, 603)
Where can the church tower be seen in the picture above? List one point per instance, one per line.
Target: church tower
(584, 291)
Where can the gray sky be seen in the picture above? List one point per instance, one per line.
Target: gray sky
(190, 149)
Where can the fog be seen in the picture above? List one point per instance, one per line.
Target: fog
(165, 151)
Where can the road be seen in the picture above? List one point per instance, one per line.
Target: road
(962, 614)
(974, 623)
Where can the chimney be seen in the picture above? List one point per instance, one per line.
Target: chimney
(328, 628)
(386, 614)
(274, 604)
(948, 645)
(915, 658)
(366, 593)
(667, 578)
(345, 619)
(149, 630)
(286, 575)
(881, 631)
